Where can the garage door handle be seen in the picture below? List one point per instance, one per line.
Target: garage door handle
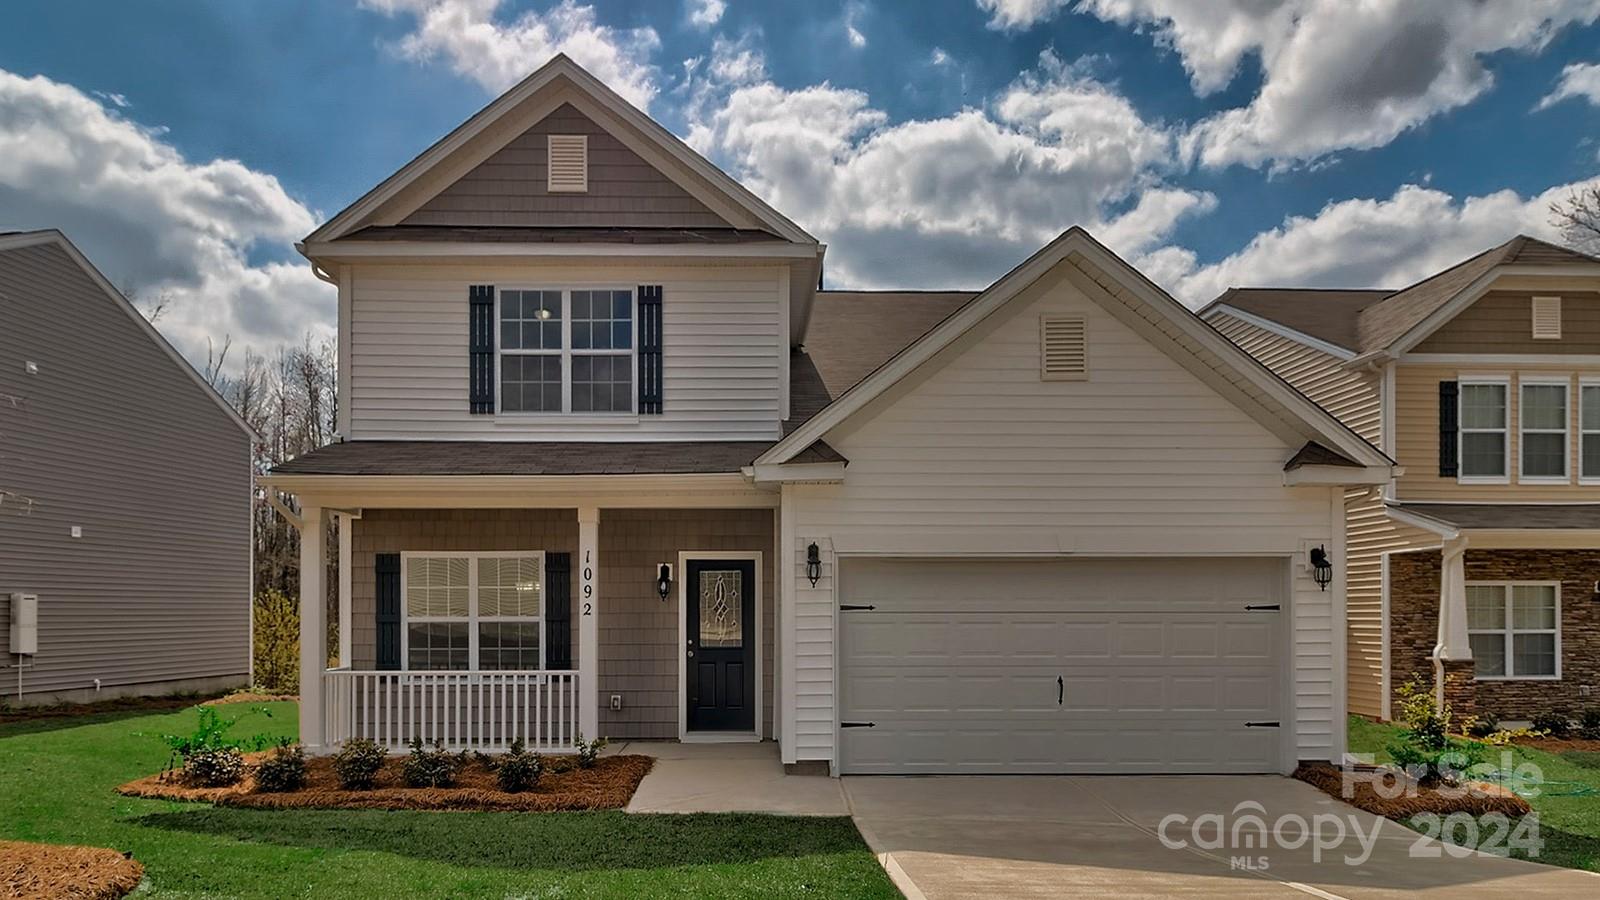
(1061, 690)
(858, 724)
(1273, 607)
(1261, 725)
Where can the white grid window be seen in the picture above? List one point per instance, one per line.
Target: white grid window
(1514, 630)
(481, 611)
(567, 351)
(1589, 432)
(1483, 429)
(1542, 440)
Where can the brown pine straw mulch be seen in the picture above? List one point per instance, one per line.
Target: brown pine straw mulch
(54, 871)
(251, 697)
(1557, 745)
(1475, 798)
(609, 785)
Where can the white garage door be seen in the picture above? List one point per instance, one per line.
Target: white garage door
(1062, 666)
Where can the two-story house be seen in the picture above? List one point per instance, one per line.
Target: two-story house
(1476, 568)
(611, 463)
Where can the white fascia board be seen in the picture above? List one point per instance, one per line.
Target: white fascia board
(1416, 520)
(793, 473)
(1326, 475)
(359, 251)
(1281, 330)
(731, 489)
(1436, 319)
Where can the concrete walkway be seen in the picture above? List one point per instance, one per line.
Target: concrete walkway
(948, 838)
(691, 778)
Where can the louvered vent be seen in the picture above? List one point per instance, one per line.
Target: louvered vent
(1547, 318)
(569, 162)
(1063, 348)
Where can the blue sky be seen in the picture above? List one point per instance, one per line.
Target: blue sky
(186, 144)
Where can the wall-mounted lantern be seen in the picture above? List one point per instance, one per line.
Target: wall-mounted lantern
(664, 580)
(813, 563)
(1321, 567)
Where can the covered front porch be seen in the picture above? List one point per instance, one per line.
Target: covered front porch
(475, 611)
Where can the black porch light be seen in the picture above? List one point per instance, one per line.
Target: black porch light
(1321, 567)
(664, 580)
(813, 563)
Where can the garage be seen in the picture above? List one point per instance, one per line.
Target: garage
(1062, 666)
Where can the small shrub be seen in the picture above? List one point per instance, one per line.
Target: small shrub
(1426, 750)
(560, 765)
(1589, 724)
(435, 768)
(1481, 725)
(1505, 737)
(276, 643)
(518, 770)
(1556, 723)
(219, 767)
(284, 770)
(358, 763)
(589, 752)
(210, 734)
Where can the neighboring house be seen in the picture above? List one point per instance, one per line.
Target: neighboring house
(125, 495)
(1478, 563)
(611, 463)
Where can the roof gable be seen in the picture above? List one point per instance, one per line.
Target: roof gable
(1328, 315)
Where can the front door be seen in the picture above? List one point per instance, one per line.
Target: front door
(721, 626)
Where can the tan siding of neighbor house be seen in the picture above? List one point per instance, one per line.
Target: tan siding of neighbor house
(1502, 322)
(511, 187)
(112, 435)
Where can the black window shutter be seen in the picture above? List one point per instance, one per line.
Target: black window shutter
(650, 350)
(480, 347)
(1449, 393)
(558, 610)
(388, 613)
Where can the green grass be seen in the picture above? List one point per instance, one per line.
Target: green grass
(1568, 825)
(57, 776)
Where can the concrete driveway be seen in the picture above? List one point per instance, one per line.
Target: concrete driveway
(986, 837)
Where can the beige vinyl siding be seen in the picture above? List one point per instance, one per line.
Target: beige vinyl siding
(112, 435)
(1417, 436)
(720, 332)
(1352, 395)
(511, 187)
(1371, 534)
(976, 455)
(1502, 322)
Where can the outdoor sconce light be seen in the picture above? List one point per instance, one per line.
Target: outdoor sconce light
(664, 580)
(1321, 567)
(813, 564)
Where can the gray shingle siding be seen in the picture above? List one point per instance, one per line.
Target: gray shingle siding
(114, 436)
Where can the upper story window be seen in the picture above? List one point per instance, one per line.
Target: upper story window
(1589, 431)
(1484, 430)
(567, 351)
(1542, 414)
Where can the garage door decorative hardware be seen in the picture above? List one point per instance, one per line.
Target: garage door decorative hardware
(847, 607)
(1261, 724)
(1061, 690)
(1264, 607)
(858, 724)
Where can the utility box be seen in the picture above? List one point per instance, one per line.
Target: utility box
(25, 624)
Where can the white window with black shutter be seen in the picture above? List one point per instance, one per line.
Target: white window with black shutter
(472, 611)
(1484, 429)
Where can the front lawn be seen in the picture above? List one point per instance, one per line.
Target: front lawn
(57, 781)
(1568, 825)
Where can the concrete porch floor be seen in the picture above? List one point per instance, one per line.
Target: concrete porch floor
(747, 777)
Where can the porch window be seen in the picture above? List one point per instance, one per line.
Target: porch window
(1543, 440)
(567, 351)
(1589, 433)
(1514, 629)
(479, 611)
(1484, 429)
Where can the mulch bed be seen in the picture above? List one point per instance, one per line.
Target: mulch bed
(252, 697)
(1557, 745)
(53, 871)
(609, 785)
(1476, 799)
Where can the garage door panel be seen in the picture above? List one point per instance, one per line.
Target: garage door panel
(1156, 675)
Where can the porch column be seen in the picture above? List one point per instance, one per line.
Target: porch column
(588, 600)
(1453, 647)
(313, 623)
(346, 526)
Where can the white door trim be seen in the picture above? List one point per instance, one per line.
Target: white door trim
(684, 735)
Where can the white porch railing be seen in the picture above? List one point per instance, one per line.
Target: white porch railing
(463, 710)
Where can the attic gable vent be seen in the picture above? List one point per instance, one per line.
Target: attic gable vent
(569, 163)
(1063, 348)
(1547, 318)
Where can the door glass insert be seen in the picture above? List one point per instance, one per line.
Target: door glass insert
(721, 608)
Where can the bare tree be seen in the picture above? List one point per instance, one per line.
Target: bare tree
(152, 308)
(1578, 217)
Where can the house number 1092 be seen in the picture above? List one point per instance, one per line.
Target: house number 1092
(588, 583)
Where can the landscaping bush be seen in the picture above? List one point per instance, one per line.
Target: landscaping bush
(219, 767)
(358, 763)
(518, 770)
(1426, 751)
(1589, 724)
(435, 768)
(276, 646)
(1556, 724)
(210, 734)
(589, 752)
(284, 770)
(1482, 725)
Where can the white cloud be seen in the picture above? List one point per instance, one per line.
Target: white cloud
(1577, 80)
(951, 201)
(1389, 242)
(157, 222)
(938, 57)
(706, 13)
(1337, 75)
(852, 15)
(499, 54)
(1016, 15)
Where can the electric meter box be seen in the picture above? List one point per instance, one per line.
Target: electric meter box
(25, 624)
